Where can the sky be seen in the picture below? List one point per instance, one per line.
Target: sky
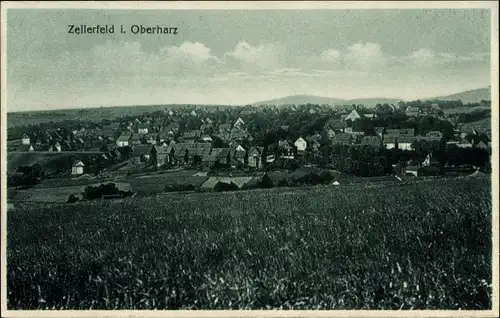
(242, 56)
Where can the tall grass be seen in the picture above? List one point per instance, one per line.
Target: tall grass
(421, 246)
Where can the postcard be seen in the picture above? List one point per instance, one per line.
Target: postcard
(260, 159)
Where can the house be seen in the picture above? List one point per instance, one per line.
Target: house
(430, 160)
(300, 144)
(343, 139)
(192, 135)
(390, 141)
(224, 128)
(463, 143)
(405, 142)
(77, 168)
(413, 170)
(143, 128)
(353, 115)
(152, 139)
(124, 140)
(482, 145)
(239, 123)
(240, 135)
(240, 156)
(285, 149)
(25, 139)
(412, 111)
(143, 153)
(255, 156)
(314, 145)
(379, 131)
(136, 139)
(206, 138)
(356, 132)
(173, 128)
(193, 113)
(372, 141)
(56, 148)
(399, 132)
(164, 154)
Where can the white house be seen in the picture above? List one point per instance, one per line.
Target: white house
(57, 147)
(77, 167)
(143, 129)
(124, 140)
(239, 122)
(301, 144)
(206, 138)
(26, 139)
(193, 113)
(353, 116)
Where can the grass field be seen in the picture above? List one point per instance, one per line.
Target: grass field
(424, 245)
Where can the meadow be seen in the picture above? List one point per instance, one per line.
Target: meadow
(422, 245)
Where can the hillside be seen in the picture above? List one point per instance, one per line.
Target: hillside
(301, 100)
(472, 96)
(371, 102)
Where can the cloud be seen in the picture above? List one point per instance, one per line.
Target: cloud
(194, 52)
(263, 56)
(129, 58)
(425, 57)
(365, 56)
(331, 55)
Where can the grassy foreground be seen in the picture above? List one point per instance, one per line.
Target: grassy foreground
(425, 245)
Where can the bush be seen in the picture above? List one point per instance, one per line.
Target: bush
(92, 193)
(72, 199)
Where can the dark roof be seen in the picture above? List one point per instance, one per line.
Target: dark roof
(405, 139)
(342, 139)
(252, 150)
(405, 131)
(225, 126)
(373, 141)
(140, 150)
(124, 137)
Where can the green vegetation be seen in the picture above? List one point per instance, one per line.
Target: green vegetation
(421, 245)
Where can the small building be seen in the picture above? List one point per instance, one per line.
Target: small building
(343, 139)
(300, 144)
(400, 132)
(143, 128)
(77, 168)
(353, 115)
(143, 154)
(464, 144)
(25, 139)
(239, 123)
(255, 156)
(412, 111)
(285, 149)
(405, 142)
(482, 145)
(371, 141)
(124, 140)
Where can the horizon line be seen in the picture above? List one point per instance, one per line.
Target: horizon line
(241, 105)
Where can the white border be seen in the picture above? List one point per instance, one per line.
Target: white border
(240, 5)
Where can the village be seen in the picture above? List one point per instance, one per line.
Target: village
(234, 142)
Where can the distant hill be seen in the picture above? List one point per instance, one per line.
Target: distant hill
(371, 102)
(301, 100)
(471, 96)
